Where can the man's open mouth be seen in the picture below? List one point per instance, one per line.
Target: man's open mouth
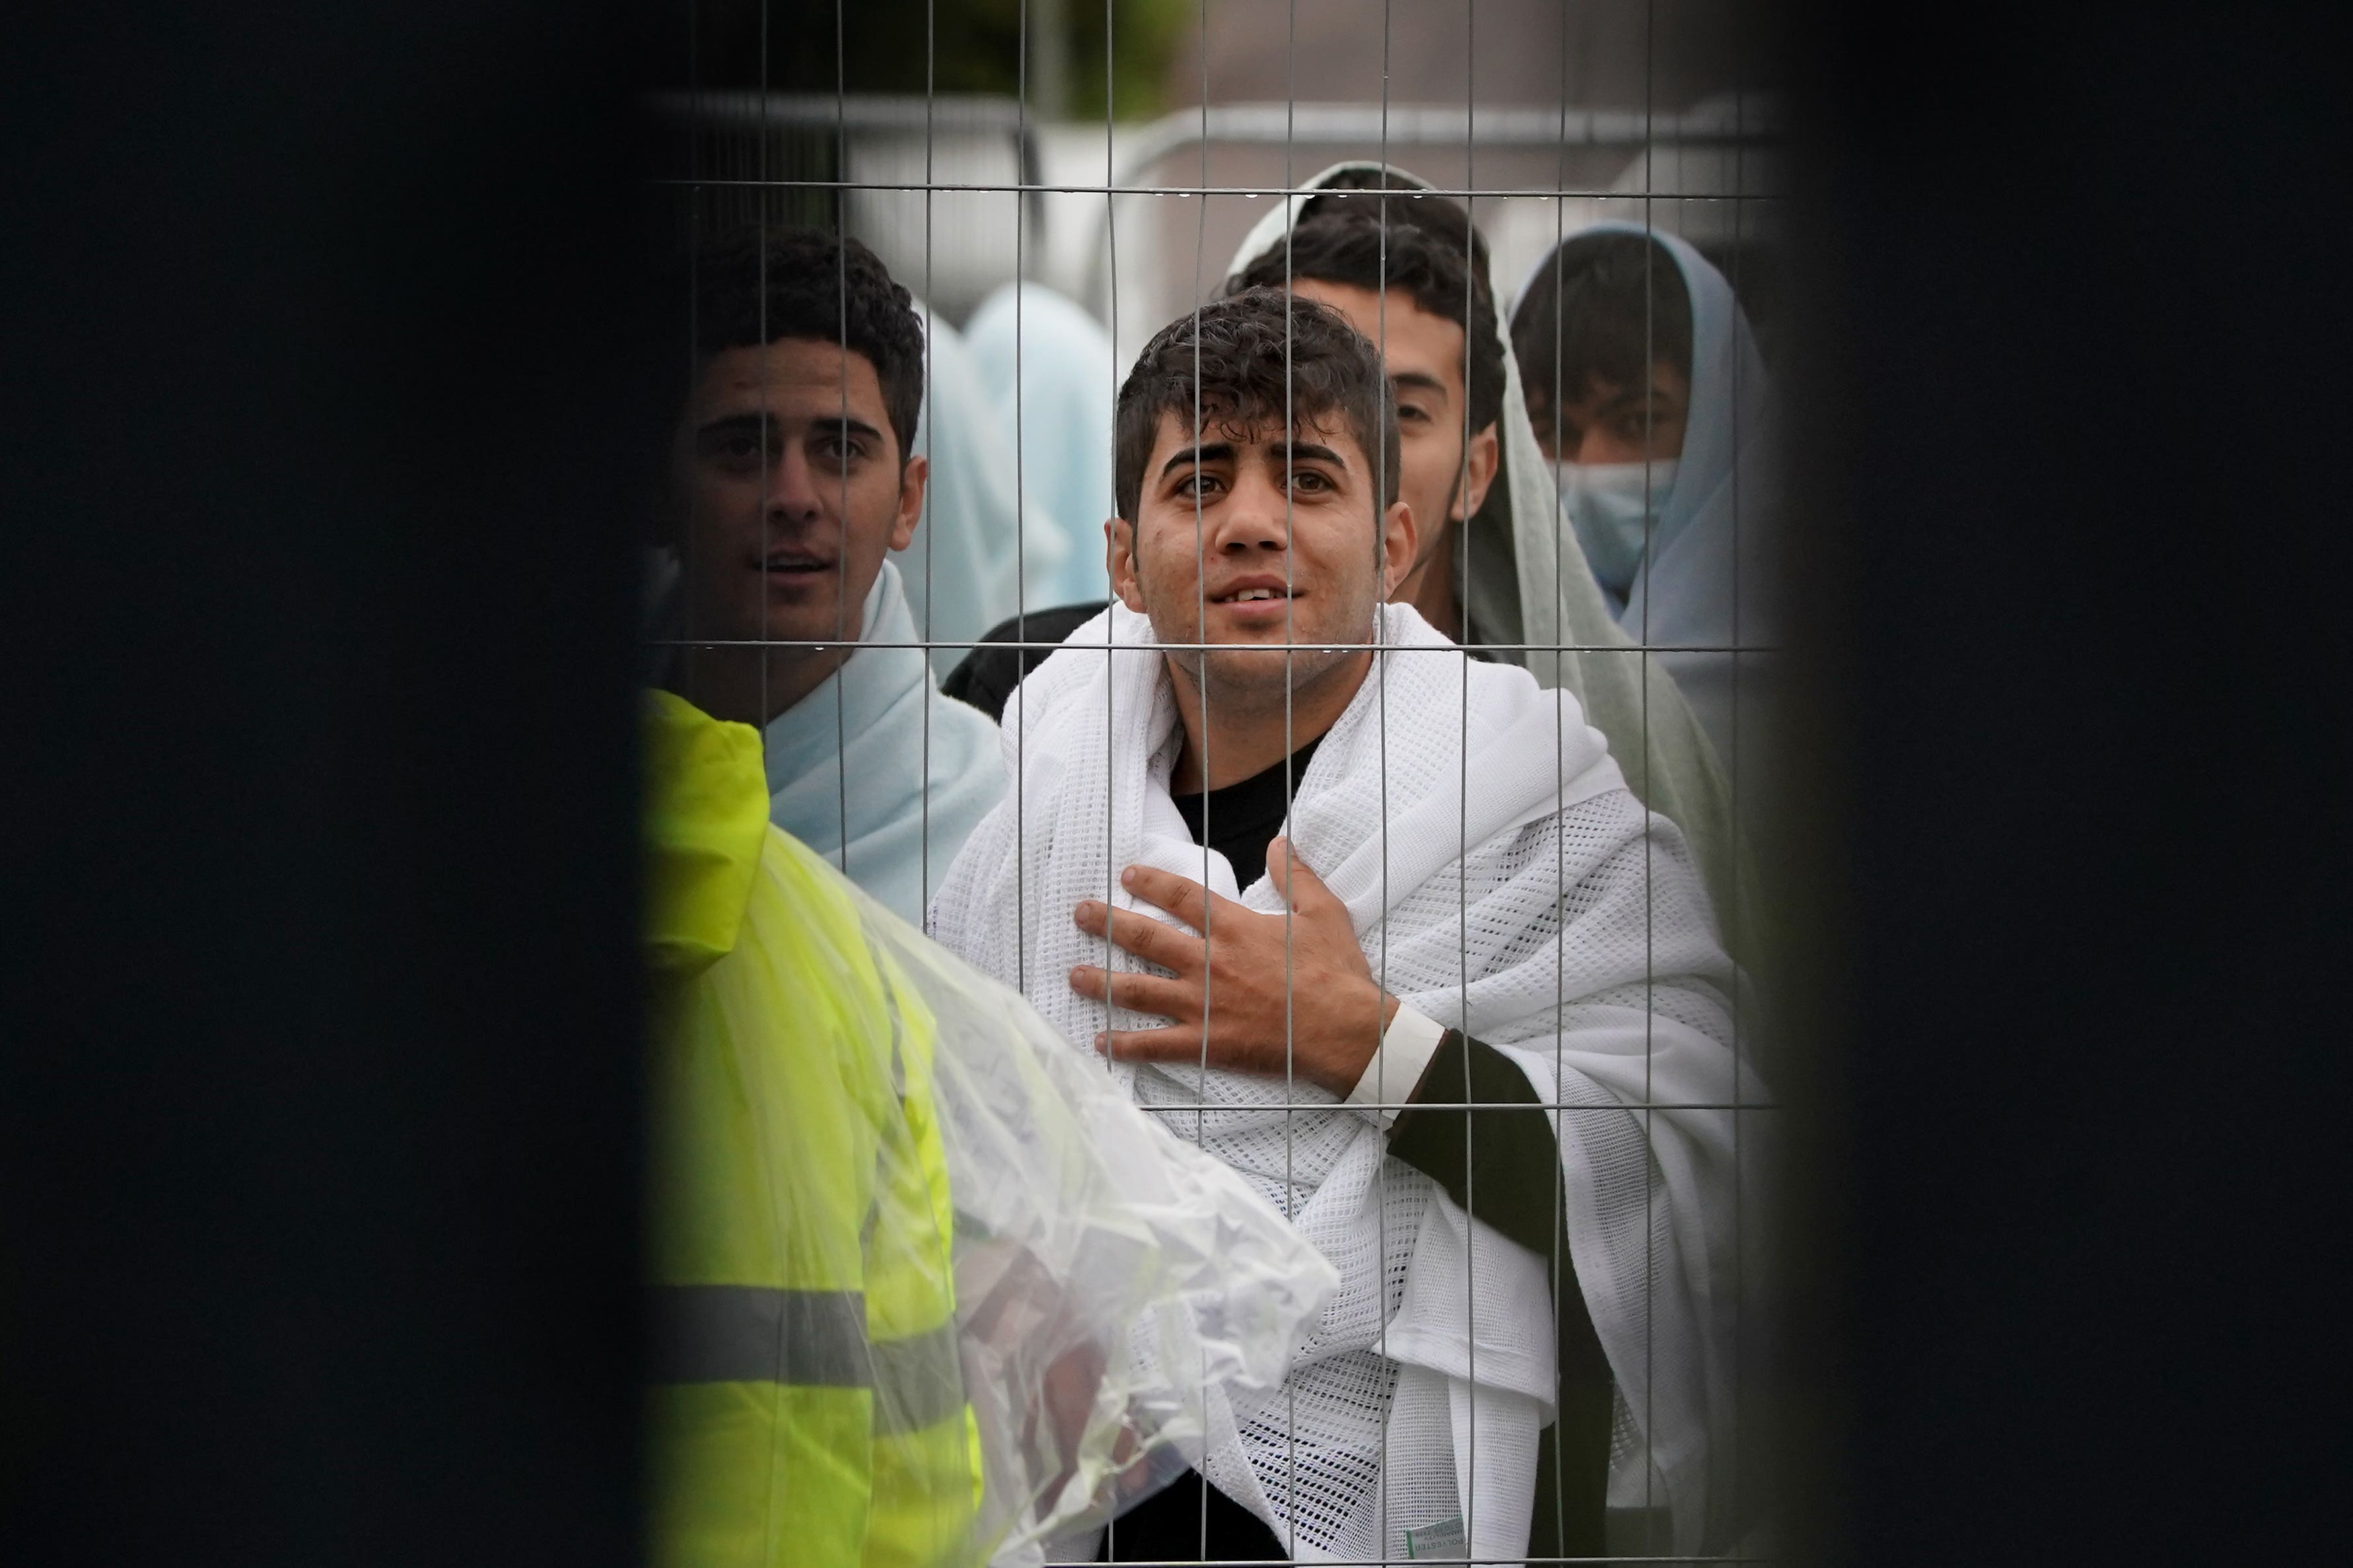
(1251, 595)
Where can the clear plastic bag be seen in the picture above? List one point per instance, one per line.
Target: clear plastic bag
(1110, 1278)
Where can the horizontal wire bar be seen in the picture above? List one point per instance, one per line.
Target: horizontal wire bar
(1012, 189)
(1746, 120)
(1415, 1562)
(815, 646)
(1303, 1106)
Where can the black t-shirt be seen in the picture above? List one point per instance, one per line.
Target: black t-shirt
(1242, 819)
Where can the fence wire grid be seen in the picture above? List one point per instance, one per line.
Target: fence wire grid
(1618, 113)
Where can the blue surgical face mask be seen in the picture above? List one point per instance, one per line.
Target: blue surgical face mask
(1613, 507)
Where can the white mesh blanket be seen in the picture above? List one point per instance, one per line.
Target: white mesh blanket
(1543, 912)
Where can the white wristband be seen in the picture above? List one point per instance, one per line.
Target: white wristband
(1397, 1064)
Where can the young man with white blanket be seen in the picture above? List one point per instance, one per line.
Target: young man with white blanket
(794, 474)
(1466, 888)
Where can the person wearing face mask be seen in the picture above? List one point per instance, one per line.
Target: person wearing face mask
(1647, 392)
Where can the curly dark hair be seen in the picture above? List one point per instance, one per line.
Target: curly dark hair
(755, 286)
(1235, 351)
(1347, 245)
(1603, 309)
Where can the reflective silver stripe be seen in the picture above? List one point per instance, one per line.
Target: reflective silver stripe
(918, 1380)
(746, 1333)
(810, 1338)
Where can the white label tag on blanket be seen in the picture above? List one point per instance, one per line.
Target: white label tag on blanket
(1444, 1542)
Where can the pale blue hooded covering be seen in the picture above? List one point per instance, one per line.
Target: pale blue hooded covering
(1706, 579)
(1059, 398)
(877, 751)
(963, 574)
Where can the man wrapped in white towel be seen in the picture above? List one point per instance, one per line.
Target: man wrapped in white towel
(1382, 927)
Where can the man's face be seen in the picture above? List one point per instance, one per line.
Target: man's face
(787, 489)
(1614, 424)
(1251, 538)
(1423, 355)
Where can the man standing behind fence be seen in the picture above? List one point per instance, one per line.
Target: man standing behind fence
(791, 480)
(1462, 858)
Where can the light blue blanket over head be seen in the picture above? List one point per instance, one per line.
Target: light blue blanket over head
(1048, 367)
(1707, 580)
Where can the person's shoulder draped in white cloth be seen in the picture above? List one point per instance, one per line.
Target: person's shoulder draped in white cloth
(876, 770)
(1574, 639)
(1499, 878)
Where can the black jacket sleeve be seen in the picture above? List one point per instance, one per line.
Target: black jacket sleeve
(1473, 1126)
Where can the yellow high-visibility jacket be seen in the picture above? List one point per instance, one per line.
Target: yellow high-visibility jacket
(809, 1407)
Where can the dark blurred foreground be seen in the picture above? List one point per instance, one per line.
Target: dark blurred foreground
(2083, 348)
(317, 1243)
(318, 1117)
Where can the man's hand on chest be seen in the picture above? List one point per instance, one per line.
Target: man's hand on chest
(1259, 980)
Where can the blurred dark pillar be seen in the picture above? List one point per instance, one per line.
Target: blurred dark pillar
(319, 1113)
(2083, 319)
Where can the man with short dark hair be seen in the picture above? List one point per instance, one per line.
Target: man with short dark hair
(1421, 300)
(791, 478)
(1280, 850)
(1603, 333)
(1416, 296)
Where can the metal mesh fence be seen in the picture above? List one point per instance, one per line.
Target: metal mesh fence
(1527, 126)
